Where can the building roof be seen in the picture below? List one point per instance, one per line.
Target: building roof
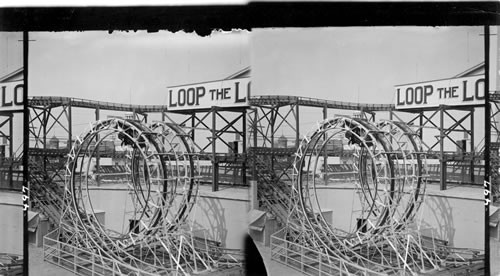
(13, 76)
(243, 73)
(282, 138)
(475, 70)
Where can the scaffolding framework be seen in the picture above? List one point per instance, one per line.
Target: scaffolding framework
(260, 156)
(389, 176)
(162, 180)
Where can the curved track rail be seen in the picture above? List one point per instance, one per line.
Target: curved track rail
(161, 183)
(389, 180)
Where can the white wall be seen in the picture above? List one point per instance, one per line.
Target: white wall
(457, 219)
(11, 225)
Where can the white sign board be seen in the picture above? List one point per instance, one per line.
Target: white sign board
(452, 92)
(224, 93)
(11, 96)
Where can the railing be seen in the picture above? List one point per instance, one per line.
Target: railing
(84, 262)
(457, 173)
(306, 101)
(310, 261)
(57, 101)
(254, 100)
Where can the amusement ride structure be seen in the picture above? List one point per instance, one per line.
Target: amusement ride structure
(389, 175)
(387, 169)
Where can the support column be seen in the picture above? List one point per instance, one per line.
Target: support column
(215, 165)
(193, 123)
(11, 150)
(254, 201)
(421, 122)
(244, 147)
(297, 121)
(487, 141)
(273, 121)
(472, 147)
(97, 163)
(70, 128)
(441, 149)
(163, 116)
(325, 152)
(44, 126)
(254, 125)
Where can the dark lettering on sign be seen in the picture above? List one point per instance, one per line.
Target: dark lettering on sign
(220, 94)
(190, 96)
(226, 92)
(170, 102)
(4, 102)
(193, 96)
(449, 92)
(409, 100)
(200, 92)
(427, 92)
(419, 90)
(478, 82)
(398, 99)
(465, 98)
(237, 90)
(18, 94)
(454, 92)
(417, 95)
(181, 97)
(446, 91)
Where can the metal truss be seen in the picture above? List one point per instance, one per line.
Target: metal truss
(10, 160)
(389, 176)
(466, 161)
(231, 121)
(49, 113)
(495, 145)
(161, 180)
(272, 114)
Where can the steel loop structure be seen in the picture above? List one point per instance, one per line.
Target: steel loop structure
(161, 183)
(382, 168)
(388, 179)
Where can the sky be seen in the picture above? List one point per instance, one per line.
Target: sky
(359, 64)
(11, 52)
(130, 67)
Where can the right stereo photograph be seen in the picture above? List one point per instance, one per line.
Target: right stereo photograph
(367, 150)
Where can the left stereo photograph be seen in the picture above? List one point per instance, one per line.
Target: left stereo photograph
(11, 153)
(137, 153)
